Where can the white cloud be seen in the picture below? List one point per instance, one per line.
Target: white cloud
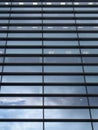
(9, 100)
(26, 101)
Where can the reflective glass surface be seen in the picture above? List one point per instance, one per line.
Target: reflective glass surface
(48, 65)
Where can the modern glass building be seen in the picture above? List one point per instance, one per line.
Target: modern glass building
(48, 65)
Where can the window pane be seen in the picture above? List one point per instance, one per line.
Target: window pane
(63, 69)
(22, 79)
(65, 89)
(64, 79)
(67, 114)
(67, 101)
(68, 126)
(21, 125)
(21, 113)
(21, 89)
(20, 101)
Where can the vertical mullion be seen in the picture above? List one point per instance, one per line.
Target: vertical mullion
(42, 65)
(82, 65)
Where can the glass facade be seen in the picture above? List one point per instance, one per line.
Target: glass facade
(48, 65)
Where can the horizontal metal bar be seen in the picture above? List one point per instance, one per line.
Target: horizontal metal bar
(48, 31)
(49, 6)
(47, 84)
(48, 47)
(48, 107)
(49, 11)
(49, 73)
(49, 55)
(49, 24)
(48, 64)
(47, 39)
(49, 18)
(46, 95)
(50, 1)
(47, 120)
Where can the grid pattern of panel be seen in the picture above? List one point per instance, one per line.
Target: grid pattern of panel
(48, 65)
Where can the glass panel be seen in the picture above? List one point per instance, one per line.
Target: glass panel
(21, 89)
(60, 35)
(62, 60)
(23, 60)
(63, 69)
(22, 69)
(22, 79)
(61, 79)
(89, 43)
(25, 35)
(61, 51)
(92, 89)
(21, 126)
(67, 101)
(92, 79)
(95, 126)
(90, 60)
(61, 43)
(21, 113)
(20, 101)
(94, 113)
(89, 51)
(65, 89)
(91, 69)
(26, 43)
(93, 101)
(68, 126)
(23, 51)
(67, 114)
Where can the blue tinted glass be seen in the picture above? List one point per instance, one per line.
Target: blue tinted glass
(69, 126)
(21, 125)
